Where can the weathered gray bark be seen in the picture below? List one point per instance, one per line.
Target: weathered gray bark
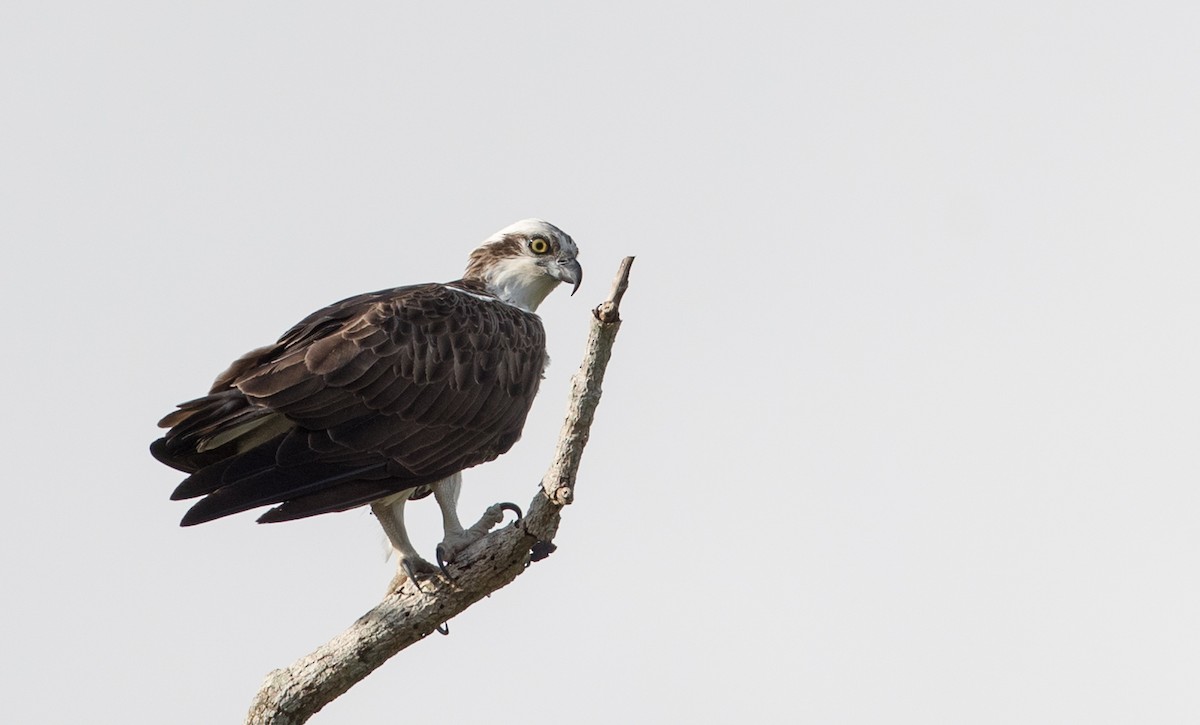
(408, 614)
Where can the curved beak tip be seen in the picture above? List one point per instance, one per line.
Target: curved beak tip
(573, 273)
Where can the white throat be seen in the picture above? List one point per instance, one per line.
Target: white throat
(520, 281)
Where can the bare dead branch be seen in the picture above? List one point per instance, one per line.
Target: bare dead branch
(408, 614)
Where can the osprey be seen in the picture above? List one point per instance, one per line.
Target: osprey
(380, 398)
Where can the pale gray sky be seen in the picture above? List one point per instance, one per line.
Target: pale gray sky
(901, 426)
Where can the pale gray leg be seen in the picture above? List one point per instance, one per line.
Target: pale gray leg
(446, 492)
(457, 538)
(390, 512)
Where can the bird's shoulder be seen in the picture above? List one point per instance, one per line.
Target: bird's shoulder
(423, 332)
(401, 310)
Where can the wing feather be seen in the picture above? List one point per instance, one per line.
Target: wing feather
(375, 394)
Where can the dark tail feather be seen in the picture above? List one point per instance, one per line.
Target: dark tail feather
(344, 497)
(271, 486)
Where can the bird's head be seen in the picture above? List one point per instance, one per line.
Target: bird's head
(524, 262)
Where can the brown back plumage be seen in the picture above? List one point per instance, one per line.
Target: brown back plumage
(370, 396)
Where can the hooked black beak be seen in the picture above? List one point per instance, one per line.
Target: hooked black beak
(568, 271)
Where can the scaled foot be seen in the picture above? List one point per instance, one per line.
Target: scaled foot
(457, 542)
(412, 568)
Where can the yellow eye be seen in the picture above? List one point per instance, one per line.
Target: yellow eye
(537, 245)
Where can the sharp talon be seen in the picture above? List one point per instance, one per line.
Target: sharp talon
(506, 506)
(407, 566)
(441, 562)
(412, 574)
(443, 628)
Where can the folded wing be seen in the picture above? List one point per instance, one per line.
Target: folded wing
(370, 396)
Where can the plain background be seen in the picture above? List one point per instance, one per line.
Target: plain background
(901, 426)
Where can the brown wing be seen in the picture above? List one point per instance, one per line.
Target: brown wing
(370, 396)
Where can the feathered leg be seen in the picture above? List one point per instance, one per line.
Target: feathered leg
(390, 512)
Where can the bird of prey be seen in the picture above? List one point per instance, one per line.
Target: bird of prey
(380, 398)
